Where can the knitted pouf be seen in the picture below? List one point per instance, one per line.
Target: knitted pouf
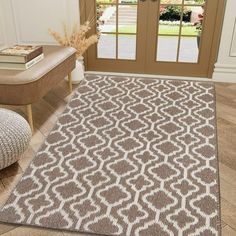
(15, 134)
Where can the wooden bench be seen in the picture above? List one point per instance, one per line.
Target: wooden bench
(27, 87)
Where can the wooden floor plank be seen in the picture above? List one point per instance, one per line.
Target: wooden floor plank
(37, 140)
(223, 224)
(55, 102)
(228, 191)
(227, 173)
(26, 158)
(5, 228)
(66, 233)
(30, 231)
(227, 112)
(8, 185)
(228, 213)
(227, 231)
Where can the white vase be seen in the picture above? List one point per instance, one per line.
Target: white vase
(77, 75)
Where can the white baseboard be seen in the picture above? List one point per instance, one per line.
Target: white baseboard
(225, 73)
(218, 77)
(224, 77)
(150, 76)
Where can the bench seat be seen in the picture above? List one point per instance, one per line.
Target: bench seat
(28, 86)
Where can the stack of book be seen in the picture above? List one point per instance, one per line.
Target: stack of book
(20, 57)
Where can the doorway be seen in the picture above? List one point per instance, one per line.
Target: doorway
(168, 37)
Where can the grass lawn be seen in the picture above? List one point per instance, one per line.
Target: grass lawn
(163, 29)
(187, 30)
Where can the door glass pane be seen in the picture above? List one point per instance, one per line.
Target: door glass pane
(169, 31)
(168, 28)
(169, 22)
(105, 1)
(127, 47)
(188, 49)
(170, 13)
(106, 18)
(117, 23)
(193, 27)
(128, 1)
(179, 30)
(167, 48)
(127, 20)
(119, 1)
(191, 33)
(106, 24)
(106, 47)
(171, 1)
(194, 2)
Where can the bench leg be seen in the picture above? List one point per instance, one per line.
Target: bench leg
(70, 82)
(30, 117)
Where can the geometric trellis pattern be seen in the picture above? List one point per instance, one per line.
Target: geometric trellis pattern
(129, 156)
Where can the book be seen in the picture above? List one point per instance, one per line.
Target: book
(21, 66)
(20, 53)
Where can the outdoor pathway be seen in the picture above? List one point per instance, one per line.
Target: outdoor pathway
(127, 16)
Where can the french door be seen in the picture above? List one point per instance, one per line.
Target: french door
(169, 37)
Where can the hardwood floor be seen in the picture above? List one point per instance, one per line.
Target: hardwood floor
(45, 115)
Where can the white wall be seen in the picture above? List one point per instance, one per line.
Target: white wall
(28, 21)
(3, 39)
(225, 68)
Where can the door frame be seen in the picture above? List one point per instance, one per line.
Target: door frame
(217, 36)
(83, 4)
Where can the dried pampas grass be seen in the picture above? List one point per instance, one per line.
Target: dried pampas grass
(76, 37)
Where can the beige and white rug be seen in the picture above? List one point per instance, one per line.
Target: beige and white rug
(129, 156)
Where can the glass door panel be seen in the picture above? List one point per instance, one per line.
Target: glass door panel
(117, 24)
(188, 49)
(181, 36)
(122, 27)
(106, 47)
(179, 27)
(167, 48)
(127, 47)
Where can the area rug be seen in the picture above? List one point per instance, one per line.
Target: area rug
(129, 156)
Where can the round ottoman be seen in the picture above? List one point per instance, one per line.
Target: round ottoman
(15, 134)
